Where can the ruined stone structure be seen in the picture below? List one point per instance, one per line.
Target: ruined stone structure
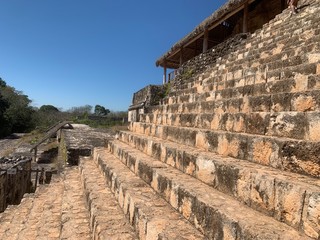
(230, 152)
(15, 180)
(148, 96)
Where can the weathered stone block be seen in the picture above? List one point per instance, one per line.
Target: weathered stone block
(260, 103)
(220, 106)
(204, 121)
(301, 157)
(314, 82)
(201, 141)
(289, 199)
(313, 126)
(311, 214)
(308, 101)
(257, 123)
(206, 170)
(281, 102)
(187, 120)
(264, 151)
(233, 105)
(314, 57)
(262, 193)
(284, 124)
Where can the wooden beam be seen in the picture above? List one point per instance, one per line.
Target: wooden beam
(205, 40)
(213, 25)
(245, 18)
(181, 57)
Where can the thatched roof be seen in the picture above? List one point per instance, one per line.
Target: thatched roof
(213, 20)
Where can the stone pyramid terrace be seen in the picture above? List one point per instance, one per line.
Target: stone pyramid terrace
(231, 152)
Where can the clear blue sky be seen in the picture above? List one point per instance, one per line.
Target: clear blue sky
(71, 53)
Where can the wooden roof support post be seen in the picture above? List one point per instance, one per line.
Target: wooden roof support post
(164, 72)
(205, 40)
(245, 17)
(181, 57)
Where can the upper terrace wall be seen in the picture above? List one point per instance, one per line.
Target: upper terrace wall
(201, 62)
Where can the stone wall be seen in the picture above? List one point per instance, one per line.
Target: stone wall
(147, 96)
(80, 141)
(13, 186)
(205, 60)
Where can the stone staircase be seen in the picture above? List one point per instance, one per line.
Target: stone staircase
(230, 154)
(55, 211)
(236, 150)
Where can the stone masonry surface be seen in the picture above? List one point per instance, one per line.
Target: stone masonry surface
(55, 211)
(233, 153)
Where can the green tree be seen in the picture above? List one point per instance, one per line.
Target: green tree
(2, 83)
(48, 108)
(16, 112)
(101, 111)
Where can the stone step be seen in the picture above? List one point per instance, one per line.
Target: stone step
(281, 153)
(251, 184)
(74, 214)
(291, 65)
(296, 80)
(305, 101)
(266, 45)
(296, 125)
(55, 211)
(107, 220)
(224, 216)
(151, 216)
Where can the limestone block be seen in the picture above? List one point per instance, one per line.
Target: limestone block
(189, 163)
(219, 106)
(212, 138)
(206, 170)
(245, 105)
(176, 120)
(221, 85)
(231, 145)
(257, 123)
(311, 215)
(301, 81)
(239, 123)
(264, 151)
(278, 49)
(240, 82)
(174, 198)
(158, 119)
(226, 178)
(281, 102)
(204, 121)
(301, 157)
(180, 159)
(260, 103)
(243, 186)
(159, 131)
(215, 123)
(314, 57)
(303, 102)
(201, 141)
(156, 150)
(188, 120)
(287, 124)
(289, 199)
(233, 105)
(226, 93)
(313, 132)
(275, 75)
